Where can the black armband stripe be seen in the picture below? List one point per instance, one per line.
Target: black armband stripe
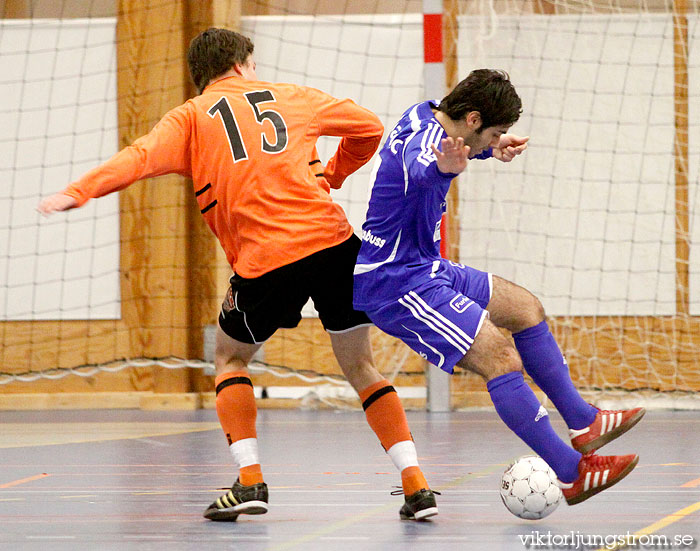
(376, 395)
(233, 381)
(209, 206)
(200, 191)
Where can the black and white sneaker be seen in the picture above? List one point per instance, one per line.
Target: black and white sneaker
(419, 505)
(239, 500)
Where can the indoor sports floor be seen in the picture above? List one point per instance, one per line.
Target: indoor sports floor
(122, 480)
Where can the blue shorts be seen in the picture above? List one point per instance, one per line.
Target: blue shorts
(441, 318)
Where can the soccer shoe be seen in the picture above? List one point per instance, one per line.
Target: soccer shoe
(248, 500)
(607, 425)
(595, 474)
(419, 505)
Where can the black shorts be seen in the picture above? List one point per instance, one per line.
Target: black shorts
(255, 308)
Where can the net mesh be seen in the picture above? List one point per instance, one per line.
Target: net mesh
(596, 219)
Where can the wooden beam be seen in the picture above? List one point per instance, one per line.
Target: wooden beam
(153, 221)
(680, 88)
(201, 251)
(547, 7)
(15, 9)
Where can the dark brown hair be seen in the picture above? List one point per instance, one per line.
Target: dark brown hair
(490, 93)
(215, 51)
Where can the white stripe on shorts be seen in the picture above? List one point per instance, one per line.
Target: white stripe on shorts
(451, 325)
(436, 321)
(440, 355)
(430, 323)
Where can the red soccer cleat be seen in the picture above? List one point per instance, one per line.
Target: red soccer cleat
(596, 473)
(607, 425)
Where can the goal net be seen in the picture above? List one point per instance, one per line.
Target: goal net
(596, 219)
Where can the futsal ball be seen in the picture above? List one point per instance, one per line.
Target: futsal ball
(529, 488)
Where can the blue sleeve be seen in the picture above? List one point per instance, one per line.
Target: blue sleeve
(421, 163)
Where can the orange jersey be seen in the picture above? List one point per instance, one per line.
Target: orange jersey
(247, 145)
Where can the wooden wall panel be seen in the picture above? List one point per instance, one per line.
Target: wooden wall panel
(63, 9)
(43, 345)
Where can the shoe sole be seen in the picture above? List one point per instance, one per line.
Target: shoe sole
(612, 435)
(422, 515)
(230, 514)
(593, 491)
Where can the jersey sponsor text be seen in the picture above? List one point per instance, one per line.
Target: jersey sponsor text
(373, 239)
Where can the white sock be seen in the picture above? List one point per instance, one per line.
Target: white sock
(245, 452)
(403, 455)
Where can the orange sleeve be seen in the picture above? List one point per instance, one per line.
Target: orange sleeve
(164, 150)
(319, 171)
(360, 129)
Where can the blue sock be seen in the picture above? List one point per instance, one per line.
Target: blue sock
(543, 361)
(519, 408)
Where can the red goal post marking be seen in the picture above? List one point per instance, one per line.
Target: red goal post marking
(438, 383)
(434, 76)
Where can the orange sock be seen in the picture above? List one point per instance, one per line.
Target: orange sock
(235, 406)
(385, 413)
(412, 480)
(252, 474)
(386, 416)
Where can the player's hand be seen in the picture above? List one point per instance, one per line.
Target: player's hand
(509, 147)
(454, 156)
(55, 203)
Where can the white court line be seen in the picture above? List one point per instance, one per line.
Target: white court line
(243, 538)
(424, 539)
(148, 537)
(55, 537)
(344, 538)
(153, 442)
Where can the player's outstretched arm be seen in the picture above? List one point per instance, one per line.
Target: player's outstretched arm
(509, 147)
(454, 156)
(55, 203)
(162, 151)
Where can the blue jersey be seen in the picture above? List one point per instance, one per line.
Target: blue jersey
(401, 234)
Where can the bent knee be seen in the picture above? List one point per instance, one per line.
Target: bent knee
(508, 361)
(515, 308)
(538, 310)
(359, 368)
(533, 313)
(492, 355)
(363, 380)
